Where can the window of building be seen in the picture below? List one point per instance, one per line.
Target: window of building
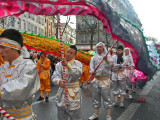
(12, 21)
(38, 19)
(31, 28)
(42, 32)
(39, 31)
(92, 22)
(83, 40)
(49, 33)
(19, 23)
(28, 26)
(35, 29)
(42, 21)
(32, 16)
(27, 14)
(83, 24)
(24, 26)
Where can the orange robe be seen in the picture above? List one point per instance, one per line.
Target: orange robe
(44, 75)
(85, 75)
(1, 61)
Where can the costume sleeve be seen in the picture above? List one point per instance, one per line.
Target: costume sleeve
(128, 61)
(37, 65)
(125, 61)
(57, 75)
(76, 70)
(47, 65)
(24, 86)
(92, 65)
(114, 60)
(132, 63)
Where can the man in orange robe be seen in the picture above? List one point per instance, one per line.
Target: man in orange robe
(43, 67)
(85, 75)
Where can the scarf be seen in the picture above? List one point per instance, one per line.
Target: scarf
(120, 59)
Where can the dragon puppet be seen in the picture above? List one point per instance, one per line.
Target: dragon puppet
(123, 26)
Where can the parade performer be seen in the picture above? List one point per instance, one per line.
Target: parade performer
(43, 67)
(73, 71)
(85, 75)
(101, 81)
(18, 77)
(129, 70)
(118, 77)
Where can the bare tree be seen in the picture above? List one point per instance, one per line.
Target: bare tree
(63, 27)
(67, 21)
(92, 25)
(56, 17)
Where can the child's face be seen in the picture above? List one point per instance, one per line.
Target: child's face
(119, 51)
(126, 52)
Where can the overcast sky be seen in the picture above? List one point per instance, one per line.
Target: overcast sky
(72, 22)
(149, 13)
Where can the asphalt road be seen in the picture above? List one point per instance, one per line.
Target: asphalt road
(134, 110)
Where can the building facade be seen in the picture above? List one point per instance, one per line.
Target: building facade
(50, 29)
(125, 8)
(83, 33)
(36, 24)
(84, 29)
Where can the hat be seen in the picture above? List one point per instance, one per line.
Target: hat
(11, 38)
(100, 44)
(120, 47)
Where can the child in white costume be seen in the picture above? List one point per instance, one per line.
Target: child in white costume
(129, 70)
(118, 77)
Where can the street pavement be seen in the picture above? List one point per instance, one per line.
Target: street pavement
(134, 110)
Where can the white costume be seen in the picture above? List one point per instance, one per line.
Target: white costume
(129, 70)
(101, 82)
(18, 83)
(73, 73)
(118, 77)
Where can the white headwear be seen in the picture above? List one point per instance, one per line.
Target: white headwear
(14, 45)
(101, 44)
(10, 43)
(24, 52)
(129, 56)
(129, 51)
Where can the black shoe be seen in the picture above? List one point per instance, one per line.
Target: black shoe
(40, 98)
(46, 100)
(81, 86)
